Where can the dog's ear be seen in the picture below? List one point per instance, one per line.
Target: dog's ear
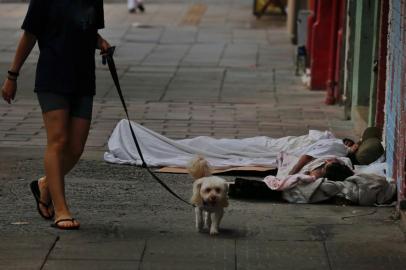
(196, 198)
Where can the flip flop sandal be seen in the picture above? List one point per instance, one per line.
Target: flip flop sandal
(37, 196)
(56, 224)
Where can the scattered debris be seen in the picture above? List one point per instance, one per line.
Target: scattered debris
(20, 223)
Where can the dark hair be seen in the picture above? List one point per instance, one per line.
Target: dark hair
(337, 172)
(348, 140)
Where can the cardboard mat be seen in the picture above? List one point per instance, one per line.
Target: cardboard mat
(234, 169)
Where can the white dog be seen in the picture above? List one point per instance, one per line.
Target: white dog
(209, 196)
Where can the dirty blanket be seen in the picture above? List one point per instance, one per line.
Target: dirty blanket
(361, 189)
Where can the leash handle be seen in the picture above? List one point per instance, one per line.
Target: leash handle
(108, 57)
(109, 53)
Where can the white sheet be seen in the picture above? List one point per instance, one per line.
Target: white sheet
(159, 150)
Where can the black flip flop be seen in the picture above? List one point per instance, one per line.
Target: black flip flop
(55, 224)
(37, 196)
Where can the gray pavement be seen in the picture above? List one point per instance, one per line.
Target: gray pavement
(187, 68)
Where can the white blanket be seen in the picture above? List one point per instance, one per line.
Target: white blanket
(159, 150)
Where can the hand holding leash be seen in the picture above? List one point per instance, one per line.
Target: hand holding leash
(108, 53)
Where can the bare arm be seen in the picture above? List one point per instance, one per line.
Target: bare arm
(24, 48)
(303, 160)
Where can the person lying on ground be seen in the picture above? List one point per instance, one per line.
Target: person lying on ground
(367, 150)
(331, 169)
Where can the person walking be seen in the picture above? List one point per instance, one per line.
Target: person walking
(67, 35)
(133, 5)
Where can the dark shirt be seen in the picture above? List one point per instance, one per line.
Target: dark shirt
(66, 31)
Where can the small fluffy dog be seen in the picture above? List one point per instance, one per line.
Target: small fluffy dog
(209, 196)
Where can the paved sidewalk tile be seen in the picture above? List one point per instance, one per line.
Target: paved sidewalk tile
(28, 252)
(281, 255)
(366, 255)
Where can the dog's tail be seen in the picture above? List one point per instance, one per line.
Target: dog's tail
(199, 167)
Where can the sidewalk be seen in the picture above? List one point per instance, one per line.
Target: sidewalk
(228, 75)
(186, 70)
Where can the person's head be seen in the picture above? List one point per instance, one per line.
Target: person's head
(348, 142)
(337, 171)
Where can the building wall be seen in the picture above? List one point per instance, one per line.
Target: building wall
(360, 71)
(395, 115)
(374, 58)
(349, 57)
(382, 55)
(363, 52)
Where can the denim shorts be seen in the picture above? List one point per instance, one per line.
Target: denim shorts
(78, 106)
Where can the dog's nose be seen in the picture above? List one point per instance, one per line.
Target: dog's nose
(212, 199)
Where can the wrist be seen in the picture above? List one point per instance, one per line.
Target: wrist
(13, 73)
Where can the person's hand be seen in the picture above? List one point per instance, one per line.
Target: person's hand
(318, 172)
(102, 45)
(9, 90)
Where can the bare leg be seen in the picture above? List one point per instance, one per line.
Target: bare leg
(216, 219)
(199, 219)
(78, 131)
(57, 124)
(207, 219)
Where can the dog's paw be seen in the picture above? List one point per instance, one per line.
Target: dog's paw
(214, 231)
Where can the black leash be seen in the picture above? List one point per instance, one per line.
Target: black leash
(112, 67)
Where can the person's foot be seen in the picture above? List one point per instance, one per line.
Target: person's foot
(141, 7)
(46, 206)
(132, 10)
(39, 189)
(66, 223)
